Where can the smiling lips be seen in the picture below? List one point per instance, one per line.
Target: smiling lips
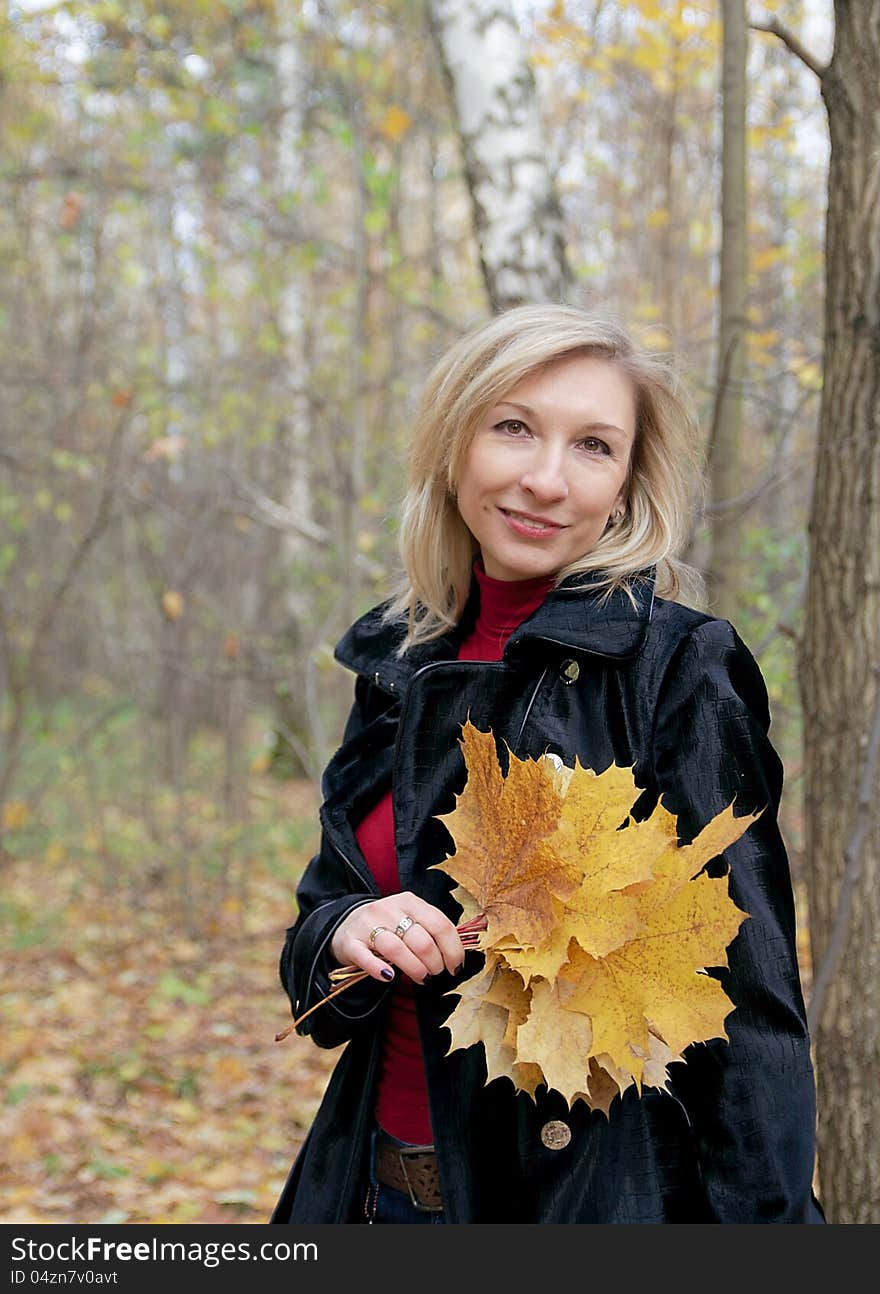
(535, 527)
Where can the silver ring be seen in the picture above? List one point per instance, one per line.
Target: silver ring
(403, 925)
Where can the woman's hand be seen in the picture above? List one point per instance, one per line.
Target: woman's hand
(427, 946)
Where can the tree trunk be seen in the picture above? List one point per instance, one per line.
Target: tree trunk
(353, 477)
(723, 576)
(841, 647)
(517, 219)
(293, 736)
(669, 269)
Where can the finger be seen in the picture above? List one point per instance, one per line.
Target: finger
(420, 942)
(438, 925)
(351, 943)
(354, 949)
(377, 968)
(391, 947)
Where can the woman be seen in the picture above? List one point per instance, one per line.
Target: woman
(551, 485)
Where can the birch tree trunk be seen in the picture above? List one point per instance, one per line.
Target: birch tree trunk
(293, 731)
(723, 575)
(841, 646)
(517, 218)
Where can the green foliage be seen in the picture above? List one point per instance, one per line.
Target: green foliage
(172, 987)
(105, 1170)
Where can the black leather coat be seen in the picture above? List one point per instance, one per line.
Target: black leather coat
(677, 694)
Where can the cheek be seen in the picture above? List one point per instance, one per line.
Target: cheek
(469, 506)
(591, 500)
(477, 481)
(592, 512)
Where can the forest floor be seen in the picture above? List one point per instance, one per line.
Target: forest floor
(141, 1079)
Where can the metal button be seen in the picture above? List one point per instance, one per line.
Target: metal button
(556, 1135)
(569, 671)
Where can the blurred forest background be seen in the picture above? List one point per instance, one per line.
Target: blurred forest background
(234, 236)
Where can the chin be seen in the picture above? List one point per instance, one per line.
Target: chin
(524, 570)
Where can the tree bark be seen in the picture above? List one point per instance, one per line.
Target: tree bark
(724, 576)
(517, 218)
(292, 710)
(841, 645)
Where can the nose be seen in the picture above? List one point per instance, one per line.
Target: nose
(545, 476)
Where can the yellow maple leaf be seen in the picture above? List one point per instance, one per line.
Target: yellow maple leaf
(654, 983)
(500, 826)
(601, 913)
(563, 1055)
(603, 1085)
(600, 928)
(507, 991)
(492, 1004)
(545, 961)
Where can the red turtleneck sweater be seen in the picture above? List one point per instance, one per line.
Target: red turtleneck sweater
(401, 1106)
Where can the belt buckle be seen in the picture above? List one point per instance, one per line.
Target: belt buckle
(412, 1152)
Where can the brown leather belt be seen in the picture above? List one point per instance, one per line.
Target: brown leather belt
(410, 1169)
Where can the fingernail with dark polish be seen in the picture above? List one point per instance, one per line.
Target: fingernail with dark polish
(386, 972)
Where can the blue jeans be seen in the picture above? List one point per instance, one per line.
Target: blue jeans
(385, 1204)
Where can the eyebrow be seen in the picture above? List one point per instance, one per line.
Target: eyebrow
(588, 426)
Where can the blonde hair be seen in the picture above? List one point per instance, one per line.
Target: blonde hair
(665, 486)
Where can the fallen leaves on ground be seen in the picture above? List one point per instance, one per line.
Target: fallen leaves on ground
(140, 1081)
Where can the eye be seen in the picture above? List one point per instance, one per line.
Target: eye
(589, 441)
(513, 426)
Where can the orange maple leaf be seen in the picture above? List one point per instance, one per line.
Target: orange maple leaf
(502, 859)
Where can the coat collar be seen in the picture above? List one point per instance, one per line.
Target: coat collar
(570, 617)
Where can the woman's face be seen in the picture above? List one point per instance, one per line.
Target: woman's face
(547, 466)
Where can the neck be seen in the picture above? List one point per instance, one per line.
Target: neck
(504, 604)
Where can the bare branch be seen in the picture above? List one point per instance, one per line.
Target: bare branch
(275, 515)
(101, 519)
(784, 625)
(78, 744)
(19, 679)
(776, 28)
(772, 474)
(744, 500)
(18, 464)
(852, 871)
(260, 507)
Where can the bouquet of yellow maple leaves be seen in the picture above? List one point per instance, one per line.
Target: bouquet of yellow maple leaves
(597, 930)
(597, 935)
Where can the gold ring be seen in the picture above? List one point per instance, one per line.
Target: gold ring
(377, 930)
(403, 925)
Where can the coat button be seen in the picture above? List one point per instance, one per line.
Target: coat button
(556, 1135)
(569, 671)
